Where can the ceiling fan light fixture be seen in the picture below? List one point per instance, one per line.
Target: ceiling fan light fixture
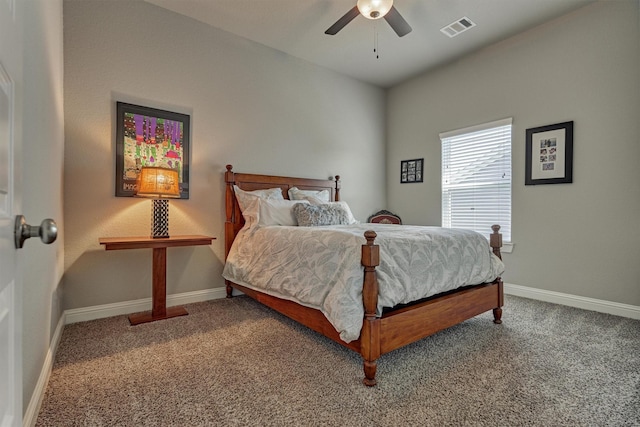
(374, 9)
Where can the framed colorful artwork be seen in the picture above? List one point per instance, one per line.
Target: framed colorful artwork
(549, 154)
(150, 137)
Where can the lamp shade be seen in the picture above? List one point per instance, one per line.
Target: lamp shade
(158, 183)
(374, 9)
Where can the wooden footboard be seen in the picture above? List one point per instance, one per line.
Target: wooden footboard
(405, 325)
(379, 335)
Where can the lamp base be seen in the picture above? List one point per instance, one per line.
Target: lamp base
(160, 223)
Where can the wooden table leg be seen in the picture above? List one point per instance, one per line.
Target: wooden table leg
(159, 293)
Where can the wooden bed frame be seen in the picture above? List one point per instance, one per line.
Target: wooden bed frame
(397, 327)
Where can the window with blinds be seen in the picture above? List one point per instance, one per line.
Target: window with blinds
(476, 178)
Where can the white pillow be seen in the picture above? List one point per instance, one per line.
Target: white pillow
(324, 196)
(278, 212)
(248, 201)
(245, 197)
(352, 219)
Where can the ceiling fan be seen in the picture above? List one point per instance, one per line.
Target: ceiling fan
(373, 9)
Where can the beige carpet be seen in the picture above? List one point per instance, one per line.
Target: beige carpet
(237, 363)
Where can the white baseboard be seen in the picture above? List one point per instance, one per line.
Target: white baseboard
(602, 306)
(127, 307)
(31, 414)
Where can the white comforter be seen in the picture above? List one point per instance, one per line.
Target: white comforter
(320, 267)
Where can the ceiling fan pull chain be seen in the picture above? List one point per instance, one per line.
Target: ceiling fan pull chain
(376, 47)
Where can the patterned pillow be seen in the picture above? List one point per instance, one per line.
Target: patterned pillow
(316, 215)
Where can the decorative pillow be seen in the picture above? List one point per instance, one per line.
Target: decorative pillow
(309, 215)
(323, 196)
(278, 212)
(320, 198)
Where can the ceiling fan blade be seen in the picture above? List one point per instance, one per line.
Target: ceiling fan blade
(340, 23)
(397, 22)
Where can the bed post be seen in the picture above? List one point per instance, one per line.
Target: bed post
(229, 229)
(495, 241)
(370, 335)
(336, 198)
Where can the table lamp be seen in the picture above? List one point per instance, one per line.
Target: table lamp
(159, 184)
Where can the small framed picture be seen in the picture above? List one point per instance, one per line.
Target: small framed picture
(150, 137)
(549, 154)
(411, 171)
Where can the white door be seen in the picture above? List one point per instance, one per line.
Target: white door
(11, 47)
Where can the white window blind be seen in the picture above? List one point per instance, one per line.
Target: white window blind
(476, 178)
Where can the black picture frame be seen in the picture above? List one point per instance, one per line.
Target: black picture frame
(137, 145)
(549, 154)
(411, 171)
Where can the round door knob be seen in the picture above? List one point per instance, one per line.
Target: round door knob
(47, 231)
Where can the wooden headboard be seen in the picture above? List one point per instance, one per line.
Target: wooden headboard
(246, 181)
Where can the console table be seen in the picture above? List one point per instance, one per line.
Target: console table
(159, 245)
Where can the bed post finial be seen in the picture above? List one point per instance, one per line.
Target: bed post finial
(337, 197)
(495, 240)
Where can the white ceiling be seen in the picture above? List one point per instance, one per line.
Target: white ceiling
(297, 28)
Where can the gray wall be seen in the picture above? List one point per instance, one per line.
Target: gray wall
(43, 145)
(581, 238)
(251, 106)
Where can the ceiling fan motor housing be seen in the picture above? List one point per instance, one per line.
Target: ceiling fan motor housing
(374, 9)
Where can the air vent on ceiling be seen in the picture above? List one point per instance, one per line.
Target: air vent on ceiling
(457, 27)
